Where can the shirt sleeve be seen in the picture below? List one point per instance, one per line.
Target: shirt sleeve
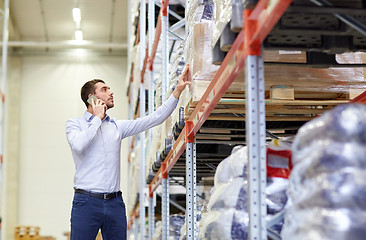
(130, 127)
(78, 138)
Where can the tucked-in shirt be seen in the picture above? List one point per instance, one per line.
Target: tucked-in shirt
(96, 146)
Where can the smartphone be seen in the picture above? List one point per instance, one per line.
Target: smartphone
(92, 97)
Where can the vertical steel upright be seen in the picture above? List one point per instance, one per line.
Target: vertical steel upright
(151, 36)
(4, 74)
(142, 114)
(165, 48)
(191, 232)
(150, 70)
(136, 228)
(151, 214)
(255, 131)
(165, 81)
(150, 73)
(190, 181)
(165, 202)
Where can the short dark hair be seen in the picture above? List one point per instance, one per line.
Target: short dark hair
(87, 89)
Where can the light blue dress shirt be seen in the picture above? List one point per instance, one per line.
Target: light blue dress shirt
(96, 146)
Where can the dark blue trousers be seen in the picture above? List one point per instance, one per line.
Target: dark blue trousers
(89, 214)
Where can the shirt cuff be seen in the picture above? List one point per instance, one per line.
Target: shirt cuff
(172, 100)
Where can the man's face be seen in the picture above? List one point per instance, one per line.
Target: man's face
(103, 92)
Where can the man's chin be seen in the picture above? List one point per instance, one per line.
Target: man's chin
(110, 106)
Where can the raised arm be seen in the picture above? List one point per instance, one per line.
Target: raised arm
(131, 127)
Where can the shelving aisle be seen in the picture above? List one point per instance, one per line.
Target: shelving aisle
(246, 52)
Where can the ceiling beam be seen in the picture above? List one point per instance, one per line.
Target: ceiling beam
(67, 44)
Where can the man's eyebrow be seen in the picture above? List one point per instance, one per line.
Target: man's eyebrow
(105, 87)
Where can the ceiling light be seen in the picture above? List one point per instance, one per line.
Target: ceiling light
(78, 35)
(76, 15)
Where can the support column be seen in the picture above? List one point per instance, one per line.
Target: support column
(151, 214)
(165, 50)
(142, 114)
(165, 202)
(190, 181)
(255, 132)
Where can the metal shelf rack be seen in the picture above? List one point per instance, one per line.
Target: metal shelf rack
(245, 52)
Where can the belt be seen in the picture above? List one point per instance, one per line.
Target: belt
(99, 195)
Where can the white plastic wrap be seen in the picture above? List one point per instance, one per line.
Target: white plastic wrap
(200, 11)
(324, 224)
(327, 188)
(226, 225)
(233, 166)
(227, 216)
(175, 224)
(230, 195)
(198, 49)
(223, 13)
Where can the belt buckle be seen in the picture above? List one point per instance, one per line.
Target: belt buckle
(105, 195)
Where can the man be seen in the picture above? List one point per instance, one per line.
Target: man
(95, 141)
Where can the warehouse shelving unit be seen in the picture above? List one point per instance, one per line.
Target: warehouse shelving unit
(245, 52)
(5, 18)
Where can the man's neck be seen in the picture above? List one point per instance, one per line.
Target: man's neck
(90, 109)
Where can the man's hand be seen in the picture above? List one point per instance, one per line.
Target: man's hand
(184, 80)
(99, 108)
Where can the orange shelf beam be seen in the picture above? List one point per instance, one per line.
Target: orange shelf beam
(360, 98)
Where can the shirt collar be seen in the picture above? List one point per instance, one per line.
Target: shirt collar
(88, 117)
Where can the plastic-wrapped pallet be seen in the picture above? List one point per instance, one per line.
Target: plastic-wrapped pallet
(227, 216)
(223, 13)
(175, 224)
(327, 188)
(198, 49)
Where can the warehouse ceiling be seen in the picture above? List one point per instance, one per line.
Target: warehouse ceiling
(49, 24)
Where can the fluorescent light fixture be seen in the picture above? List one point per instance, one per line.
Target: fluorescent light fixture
(76, 15)
(78, 35)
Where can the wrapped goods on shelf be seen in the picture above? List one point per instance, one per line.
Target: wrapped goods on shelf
(327, 189)
(227, 216)
(276, 194)
(198, 45)
(325, 224)
(230, 195)
(200, 11)
(232, 167)
(226, 225)
(200, 54)
(346, 123)
(223, 13)
(175, 224)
